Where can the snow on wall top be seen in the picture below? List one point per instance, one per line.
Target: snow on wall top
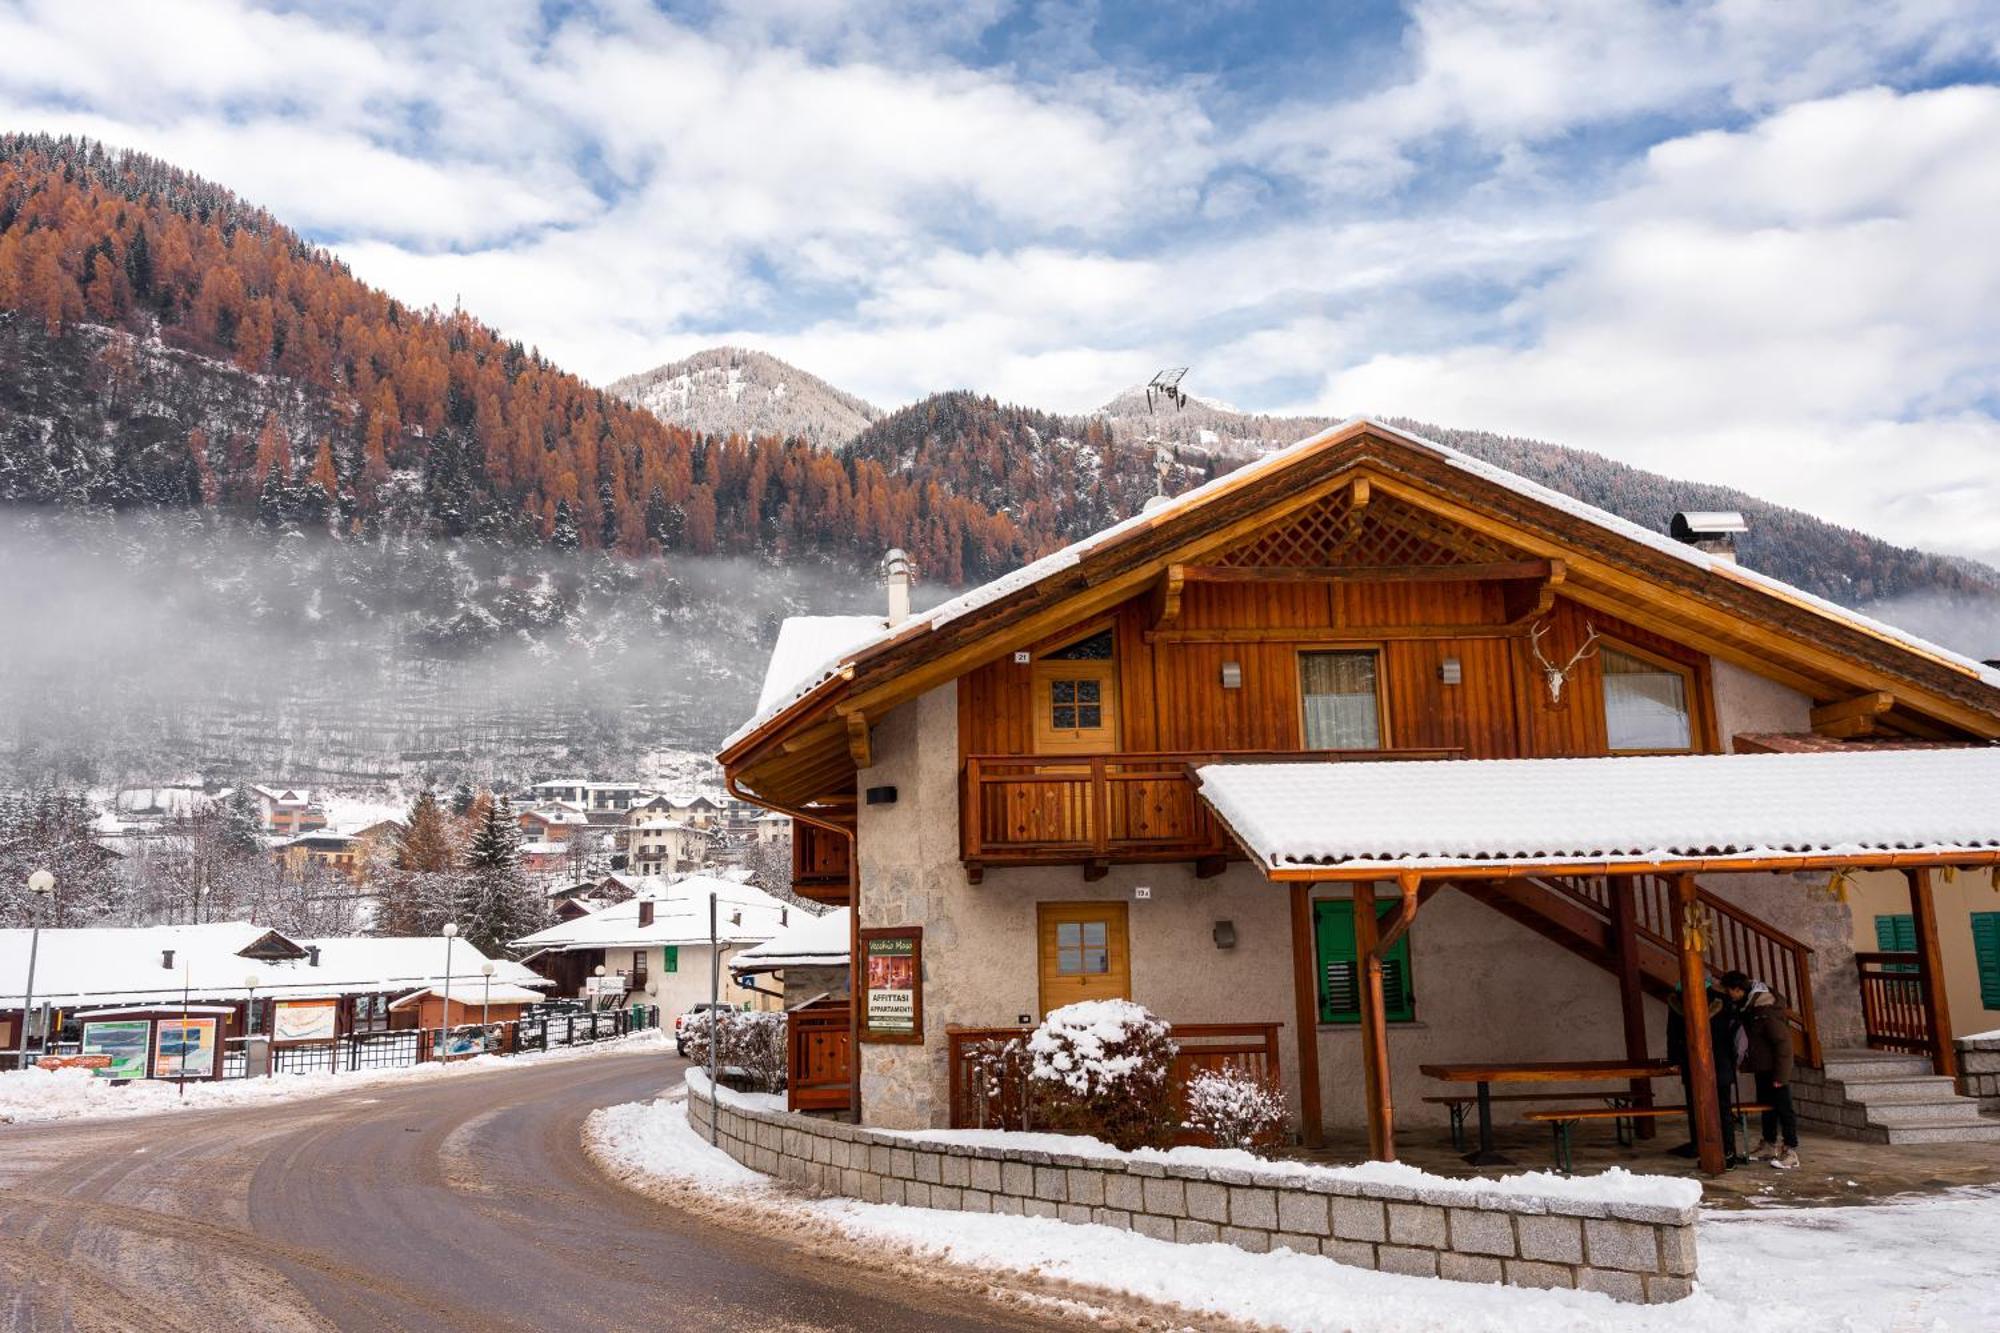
(1446, 813)
(810, 941)
(827, 655)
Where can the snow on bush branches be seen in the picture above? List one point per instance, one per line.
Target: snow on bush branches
(1102, 1067)
(1233, 1107)
(752, 1045)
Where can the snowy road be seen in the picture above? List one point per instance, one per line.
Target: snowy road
(454, 1204)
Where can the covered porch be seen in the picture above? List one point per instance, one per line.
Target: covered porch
(1605, 855)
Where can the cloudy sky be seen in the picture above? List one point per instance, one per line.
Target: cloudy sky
(1748, 242)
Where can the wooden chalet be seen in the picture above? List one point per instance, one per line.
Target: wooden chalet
(1268, 759)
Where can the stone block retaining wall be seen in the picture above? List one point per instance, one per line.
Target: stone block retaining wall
(1979, 1071)
(1631, 1251)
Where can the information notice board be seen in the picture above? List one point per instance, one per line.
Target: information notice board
(892, 984)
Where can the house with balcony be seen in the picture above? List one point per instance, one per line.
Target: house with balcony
(1369, 760)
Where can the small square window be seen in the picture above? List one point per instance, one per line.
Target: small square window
(1063, 718)
(1062, 691)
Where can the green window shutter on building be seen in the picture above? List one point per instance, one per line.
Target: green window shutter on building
(1340, 969)
(670, 957)
(1986, 953)
(1896, 934)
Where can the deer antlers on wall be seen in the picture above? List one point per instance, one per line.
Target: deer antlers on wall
(1558, 676)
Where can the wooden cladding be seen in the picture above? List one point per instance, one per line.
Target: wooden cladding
(1170, 697)
(820, 860)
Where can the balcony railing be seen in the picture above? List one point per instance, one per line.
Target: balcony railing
(819, 863)
(1057, 809)
(1895, 1012)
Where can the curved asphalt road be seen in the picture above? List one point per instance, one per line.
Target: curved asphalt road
(464, 1203)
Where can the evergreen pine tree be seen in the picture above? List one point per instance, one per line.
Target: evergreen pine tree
(501, 906)
(565, 537)
(423, 892)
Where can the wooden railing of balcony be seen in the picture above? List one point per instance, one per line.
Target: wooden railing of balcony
(1059, 809)
(818, 1045)
(1893, 1013)
(819, 863)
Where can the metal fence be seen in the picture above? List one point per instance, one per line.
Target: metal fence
(554, 1028)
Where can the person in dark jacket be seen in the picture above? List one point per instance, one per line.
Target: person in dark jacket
(1767, 1055)
(1722, 1035)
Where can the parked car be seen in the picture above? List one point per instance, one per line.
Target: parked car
(680, 1024)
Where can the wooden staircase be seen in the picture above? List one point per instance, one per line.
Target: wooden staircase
(1575, 912)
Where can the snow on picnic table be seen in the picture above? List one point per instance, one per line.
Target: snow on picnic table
(1918, 1264)
(33, 1096)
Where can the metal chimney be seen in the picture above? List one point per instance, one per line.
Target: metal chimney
(896, 573)
(1714, 531)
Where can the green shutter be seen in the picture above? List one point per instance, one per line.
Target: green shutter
(1896, 934)
(1986, 954)
(670, 957)
(1340, 971)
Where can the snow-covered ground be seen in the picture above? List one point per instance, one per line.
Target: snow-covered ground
(1925, 1264)
(35, 1095)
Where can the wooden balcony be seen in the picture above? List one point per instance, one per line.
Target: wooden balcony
(1100, 810)
(819, 864)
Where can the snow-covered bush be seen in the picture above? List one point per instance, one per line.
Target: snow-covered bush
(1102, 1067)
(1233, 1107)
(751, 1046)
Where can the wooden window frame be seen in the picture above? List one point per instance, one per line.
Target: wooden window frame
(1041, 668)
(1383, 741)
(639, 970)
(915, 934)
(1692, 678)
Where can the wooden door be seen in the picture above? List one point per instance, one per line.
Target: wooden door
(1084, 953)
(1075, 696)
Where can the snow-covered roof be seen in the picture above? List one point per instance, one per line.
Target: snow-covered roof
(1642, 808)
(822, 650)
(558, 813)
(106, 965)
(472, 991)
(680, 916)
(810, 941)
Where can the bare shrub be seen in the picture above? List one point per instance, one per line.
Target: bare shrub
(1234, 1108)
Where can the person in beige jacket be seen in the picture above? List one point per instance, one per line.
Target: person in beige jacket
(1766, 1054)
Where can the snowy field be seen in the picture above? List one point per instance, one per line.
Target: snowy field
(1926, 1264)
(37, 1095)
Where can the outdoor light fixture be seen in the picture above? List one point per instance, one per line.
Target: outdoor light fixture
(1224, 934)
(881, 796)
(1232, 675)
(1450, 672)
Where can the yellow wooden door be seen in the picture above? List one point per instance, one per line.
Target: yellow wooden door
(1084, 953)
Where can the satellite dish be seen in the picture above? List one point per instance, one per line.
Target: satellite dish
(1167, 385)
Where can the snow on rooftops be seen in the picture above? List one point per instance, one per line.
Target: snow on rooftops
(822, 645)
(810, 941)
(471, 991)
(745, 915)
(1645, 807)
(105, 965)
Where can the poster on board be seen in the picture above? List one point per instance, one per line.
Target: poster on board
(184, 1048)
(124, 1040)
(892, 983)
(303, 1020)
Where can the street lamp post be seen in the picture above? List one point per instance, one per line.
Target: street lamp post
(40, 885)
(486, 994)
(444, 1032)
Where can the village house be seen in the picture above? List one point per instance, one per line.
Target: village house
(663, 846)
(653, 949)
(553, 822)
(287, 811)
(343, 853)
(593, 798)
(1382, 771)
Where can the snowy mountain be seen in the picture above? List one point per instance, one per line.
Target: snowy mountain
(1203, 424)
(737, 391)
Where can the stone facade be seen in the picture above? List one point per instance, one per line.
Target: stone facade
(1630, 1251)
(1979, 1071)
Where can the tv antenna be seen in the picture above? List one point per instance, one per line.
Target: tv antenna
(1167, 384)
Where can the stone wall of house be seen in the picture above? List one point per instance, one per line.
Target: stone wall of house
(1979, 1071)
(1631, 1251)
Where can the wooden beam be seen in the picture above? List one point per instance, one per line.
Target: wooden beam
(1374, 1028)
(1095, 869)
(1305, 1016)
(859, 745)
(1869, 705)
(1166, 607)
(1336, 633)
(1523, 603)
(1481, 573)
(1694, 1018)
(1208, 867)
(1622, 890)
(1406, 912)
(1930, 972)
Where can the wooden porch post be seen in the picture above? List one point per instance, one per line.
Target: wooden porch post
(1930, 972)
(1374, 1026)
(1305, 993)
(1694, 1015)
(1631, 998)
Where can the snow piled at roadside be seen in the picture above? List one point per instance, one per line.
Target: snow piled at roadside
(34, 1096)
(1922, 1264)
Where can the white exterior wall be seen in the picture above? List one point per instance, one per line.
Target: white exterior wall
(678, 991)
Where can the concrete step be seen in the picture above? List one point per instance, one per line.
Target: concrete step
(1985, 1131)
(1884, 1091)
(1898, 1115)
(1844, 1065)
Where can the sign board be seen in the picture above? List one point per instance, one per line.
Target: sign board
(184, 1048)
(892, 985)
(304, 1020)
(123, 1042)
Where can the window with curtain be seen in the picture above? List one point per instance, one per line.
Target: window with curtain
(1341, 711)
(1645, 704)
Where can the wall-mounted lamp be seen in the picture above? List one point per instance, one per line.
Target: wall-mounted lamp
(1224, 934)
(1450, 672)
(881, 796)
(1232, 675)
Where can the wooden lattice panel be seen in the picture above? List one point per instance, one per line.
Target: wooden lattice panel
(1386, 532)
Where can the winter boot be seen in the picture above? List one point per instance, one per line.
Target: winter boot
(1788, 1160)
(1764, 1151)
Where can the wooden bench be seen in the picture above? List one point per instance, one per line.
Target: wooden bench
(1624, 1118)
(1460, 1105)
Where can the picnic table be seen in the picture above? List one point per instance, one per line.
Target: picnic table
(1536, 1071)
